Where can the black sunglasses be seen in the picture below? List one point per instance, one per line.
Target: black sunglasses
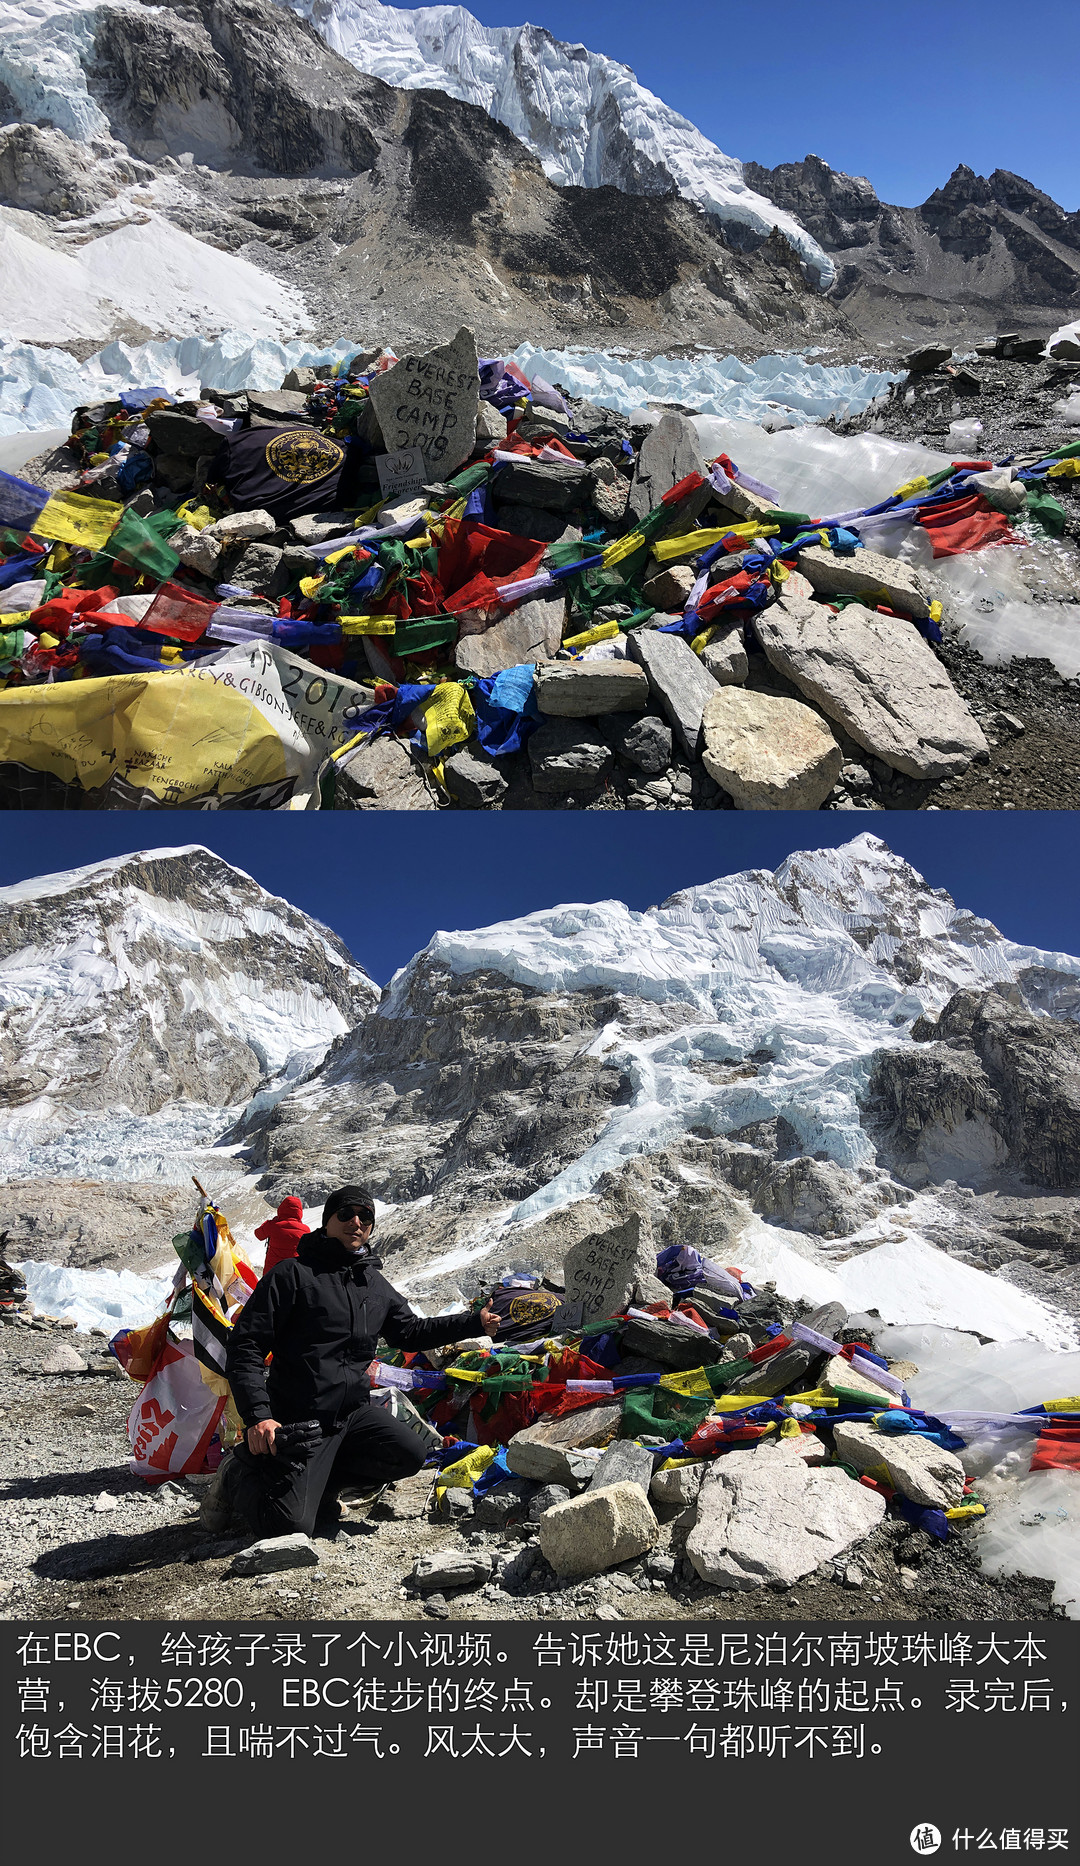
(345, 1212)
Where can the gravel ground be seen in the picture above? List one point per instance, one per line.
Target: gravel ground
(83, 1539)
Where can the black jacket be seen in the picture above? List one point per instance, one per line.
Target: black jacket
(320, 1315)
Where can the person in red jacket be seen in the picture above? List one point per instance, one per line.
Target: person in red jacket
(283, 1233)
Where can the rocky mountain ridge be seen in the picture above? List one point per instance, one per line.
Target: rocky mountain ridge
(980, 252)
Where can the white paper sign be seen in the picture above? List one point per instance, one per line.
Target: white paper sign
(401, 474)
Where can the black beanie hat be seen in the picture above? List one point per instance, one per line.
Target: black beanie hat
(349, 1195)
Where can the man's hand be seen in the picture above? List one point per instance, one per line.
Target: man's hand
(489, 1321)
(261, 1437)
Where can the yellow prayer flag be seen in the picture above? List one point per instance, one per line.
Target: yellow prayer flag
(72, 518)
(692, 1382)
(604, 631)
(448, 718)
(465, 1472)
(623, 547)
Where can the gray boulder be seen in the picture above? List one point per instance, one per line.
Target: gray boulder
(878, 679)
(766, 1517)
(567, 754)
(381, 775)
(669, 452)
(768, 752)
(532, 632)
(623, 1463)
(472, 779)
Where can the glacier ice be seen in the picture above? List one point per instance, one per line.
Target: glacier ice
(586, 116)
(814, 470)
(791, 385)
(108, 1299)
(40, 386)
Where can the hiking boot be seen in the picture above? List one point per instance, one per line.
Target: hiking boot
(217, 1509)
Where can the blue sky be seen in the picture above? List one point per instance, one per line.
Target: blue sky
(385, 882)
(900, 94)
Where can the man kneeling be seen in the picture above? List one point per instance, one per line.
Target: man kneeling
(310, 1429)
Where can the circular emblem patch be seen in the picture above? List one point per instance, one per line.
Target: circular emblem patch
(532, 1308)
(301, 456)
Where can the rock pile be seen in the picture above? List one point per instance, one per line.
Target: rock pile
(720, 1433)
(434, 583)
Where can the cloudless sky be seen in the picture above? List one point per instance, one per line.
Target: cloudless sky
(901, 94)
(386, 882)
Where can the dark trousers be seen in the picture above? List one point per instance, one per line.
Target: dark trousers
(370, 1447)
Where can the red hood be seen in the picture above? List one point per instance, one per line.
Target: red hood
(291, 1208)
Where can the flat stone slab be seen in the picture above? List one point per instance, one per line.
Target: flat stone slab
(623, 1463)
(840, 1373)
(767, 1517)
(679, 683)
(277, 404)
(598, 1530)
(910, 1463)
(450, 1567)
(431, 402)
(554, 486)
(779, 1373)
(382, 776)
(878, 679)
(768, 752)
(669, 1342)
(544, 1452)
(274, 1554)
(864, 573)
(532, 632)
(669, 452)
(584, 689)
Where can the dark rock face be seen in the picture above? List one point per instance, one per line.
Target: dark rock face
(483, 1079)
(236, 80)
(990, 1084)
(979, 248)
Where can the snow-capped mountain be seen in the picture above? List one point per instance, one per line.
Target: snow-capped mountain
(705, 1063)
(144, 999)
(586, 116)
